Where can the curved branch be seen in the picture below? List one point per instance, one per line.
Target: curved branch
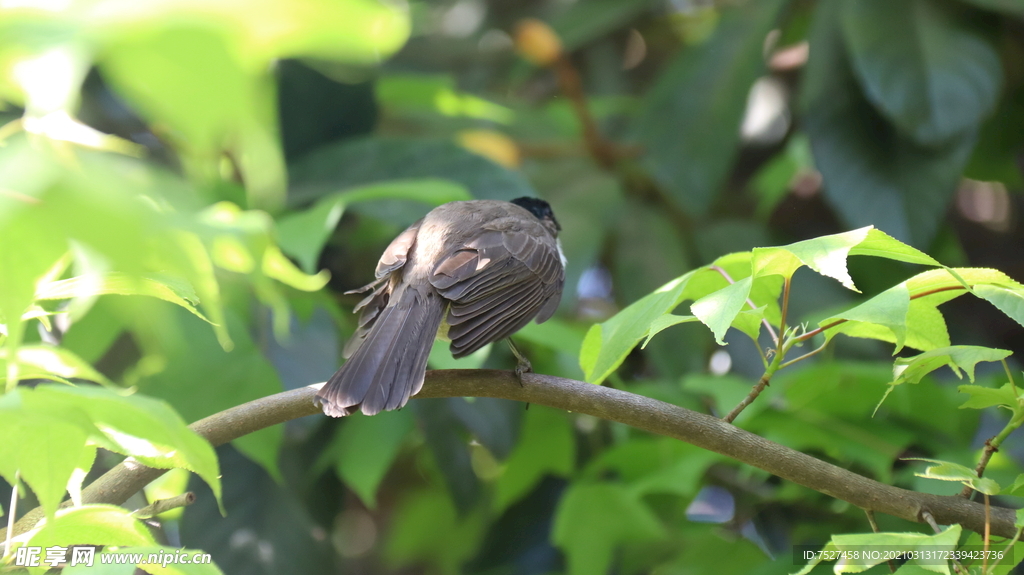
(658, 417)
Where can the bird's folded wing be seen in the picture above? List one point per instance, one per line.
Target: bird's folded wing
(497, 282)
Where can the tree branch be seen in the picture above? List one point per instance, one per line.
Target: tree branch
(705, 431)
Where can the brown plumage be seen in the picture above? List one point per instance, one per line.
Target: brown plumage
(479, 270)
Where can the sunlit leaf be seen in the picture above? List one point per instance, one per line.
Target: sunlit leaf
(167, 288)
(93, 525)
(948, 471)
(957, 357)
(144, 428)
(982, 397)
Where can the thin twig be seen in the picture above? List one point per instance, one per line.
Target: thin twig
(818, 350)
(569, 82)
(875, 529)
(161, 505)
(782, 317)
(984, 556)
(754, 392)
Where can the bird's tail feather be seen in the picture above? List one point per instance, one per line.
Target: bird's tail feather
(390, 364)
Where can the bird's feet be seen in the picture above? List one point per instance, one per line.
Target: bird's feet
(523, 365)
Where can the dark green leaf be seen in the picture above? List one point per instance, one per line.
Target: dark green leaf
(585, 22)
(365, 448)
(594, 518)
(546, 447)
(369, 160)
(691, 120)
(872, 173)
(925, 64)
(303, 234)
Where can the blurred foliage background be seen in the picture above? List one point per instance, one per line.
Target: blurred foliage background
(664, 133)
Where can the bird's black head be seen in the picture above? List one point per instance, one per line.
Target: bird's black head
(539, 208)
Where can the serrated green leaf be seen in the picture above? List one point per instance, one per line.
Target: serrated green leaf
(825, 255)
(1009, 299)
(957, 357)
(141, 427)
(718, 310)
(364, 449)
(93, 525)
(948, 471)
(607, 344)
(664, 322)
(982, 397)
(55, 363)
(45, 447)
(888, 309)
(882, 245)
(593, 519)
(546, 446)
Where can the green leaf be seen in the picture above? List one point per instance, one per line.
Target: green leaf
(691, 119)
(546, 446)
(175, 290)
(1008, 7)
(921, 325)
(362, 161)
(957, 357)
(54, 363)
(856, 542)
(435, 94)
(141, 427)
(45, 446)
(928, 66)
(664, 322)
(873, 173)
(827, 255)
(718, 310)
(982, 397)
(593, 519)
(888, 309)
(554, 334)
(607, 344)
(654, 465)
(948, 471)
(93, 525)
(585, 22)
(427, 529)
(364, 449)
(303, 234)
(191, 359)
(1009, 299)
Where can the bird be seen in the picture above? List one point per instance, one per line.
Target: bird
(469, 272)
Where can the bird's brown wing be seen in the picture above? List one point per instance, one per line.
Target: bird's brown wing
(392, 260)
(497, 282)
